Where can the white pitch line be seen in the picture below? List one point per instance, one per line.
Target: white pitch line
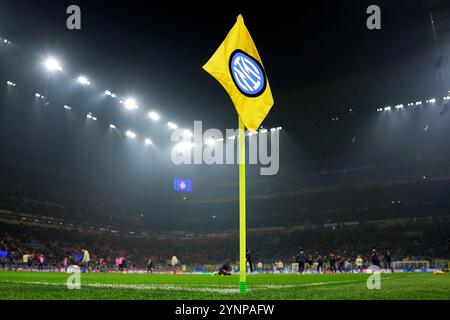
(199, 288)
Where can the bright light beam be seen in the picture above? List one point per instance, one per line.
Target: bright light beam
(172, 125)
(153, 115)
(83, 80)
(52, 65)
(130, 134)
(130, 104)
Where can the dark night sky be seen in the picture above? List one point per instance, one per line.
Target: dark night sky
(320, 58)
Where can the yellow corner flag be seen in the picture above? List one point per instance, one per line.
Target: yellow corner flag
(238, 68)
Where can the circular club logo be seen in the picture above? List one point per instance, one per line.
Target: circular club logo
(247, 73)
(182, 185)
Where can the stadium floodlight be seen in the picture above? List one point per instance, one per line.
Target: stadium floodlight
(5, 40)
(172, 125)
(112, 126)
(52, 65)
(37, 95)
(130, 104)
(263, 131)
(447, 98)
(130, 134)
(148, 141)
(418, 103)
(387, 109)
(89, 115)
(279, 128)
(399, 106)
(187, 133)
(10, 83)
(113, 95)
(83, 80)
(432, 101)
(94, 118)
(273, 129)
(108, 93)
(153, 115)
(67, 107)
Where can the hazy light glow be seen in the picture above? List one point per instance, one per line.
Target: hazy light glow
(52, 65)
(153, 115)
(148, 141)
(172, 125)
(10, 83)
(37, 95)
(130, 134)
(182, 146)
(108, 93)
(67, 107)
(112, 126)
(83, 80)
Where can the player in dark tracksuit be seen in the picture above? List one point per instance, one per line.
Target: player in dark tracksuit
(320, 264)
(301, 260)
(249, 260)
(388, 259)
(375, 259)
(332, 263)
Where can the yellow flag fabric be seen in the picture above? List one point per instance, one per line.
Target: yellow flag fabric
(239, 69)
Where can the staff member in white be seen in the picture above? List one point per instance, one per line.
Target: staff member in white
(27, 261)
(86, 259)
(174, 264)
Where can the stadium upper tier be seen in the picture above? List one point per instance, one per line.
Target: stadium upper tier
(407, 189)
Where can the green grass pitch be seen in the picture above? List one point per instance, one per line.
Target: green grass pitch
(34, 285)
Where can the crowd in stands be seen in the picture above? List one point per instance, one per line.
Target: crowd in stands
(420, 240)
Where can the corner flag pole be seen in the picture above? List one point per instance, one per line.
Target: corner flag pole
(242, 213)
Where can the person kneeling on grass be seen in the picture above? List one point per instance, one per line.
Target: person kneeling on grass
(225, 270)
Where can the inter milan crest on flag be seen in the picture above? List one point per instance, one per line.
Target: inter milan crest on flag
(247, 73)
(238, 67)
